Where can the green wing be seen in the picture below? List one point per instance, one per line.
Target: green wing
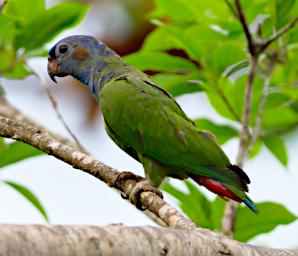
(149, 121)
(124, 146)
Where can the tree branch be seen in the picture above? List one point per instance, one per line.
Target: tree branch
(43, 141)
(257, 128)
(232, 9)
(246, 111)
(2, 4)
(256, 47)
(242, 19)
(35, 240)
(279, 33)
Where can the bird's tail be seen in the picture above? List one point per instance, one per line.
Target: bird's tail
(250, 204)
(231, 184)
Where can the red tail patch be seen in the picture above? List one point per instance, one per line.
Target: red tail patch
(216, 188)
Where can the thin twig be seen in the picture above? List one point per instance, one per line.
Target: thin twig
(257, 128)
(2, 4)
(246, 112)
(279, 33)
(232, 9)
(55, 107)
(229, 218)
(242, 19)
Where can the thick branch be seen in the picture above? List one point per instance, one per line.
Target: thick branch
(120, 240)
(43, 141)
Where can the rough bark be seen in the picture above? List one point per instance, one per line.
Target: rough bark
(36, 240)
(42, 140)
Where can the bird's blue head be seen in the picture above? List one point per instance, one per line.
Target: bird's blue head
(79, 56)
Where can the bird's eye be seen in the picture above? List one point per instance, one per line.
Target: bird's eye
(63, 48)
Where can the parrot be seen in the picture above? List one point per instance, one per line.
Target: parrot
(146, 122)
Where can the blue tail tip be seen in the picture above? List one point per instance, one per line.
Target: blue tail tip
(250, 205)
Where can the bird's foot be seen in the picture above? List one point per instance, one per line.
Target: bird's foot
(142, 186)
(122, 177)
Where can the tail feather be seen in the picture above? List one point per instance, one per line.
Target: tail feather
(242, 176)
(249, 203)
(223, 190)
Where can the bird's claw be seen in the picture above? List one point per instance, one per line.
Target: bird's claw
(122, 177)
(142, 186)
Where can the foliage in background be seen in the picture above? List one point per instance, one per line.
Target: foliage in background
(208, 213)
(199, 46)
(25, 27)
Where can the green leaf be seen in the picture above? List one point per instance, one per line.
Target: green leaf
(271, 215)
(159, 61)
(283, 11)
(227, 54)
(223, 133)
(229, 71)
(7, 31)
(45, 26)
(6, 59)
(170, 37)
(279, 117)
(278, 148)
(178, 10)
(191, 203)
(196, 206)
(19, 71)
(217, 212)
(25, 192)
(23, 9)
(178, 84)
(191, 47)
(15, 152)
(256, 149)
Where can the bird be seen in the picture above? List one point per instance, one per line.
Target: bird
(147, 123)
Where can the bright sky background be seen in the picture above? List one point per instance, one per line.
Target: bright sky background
(72, 197)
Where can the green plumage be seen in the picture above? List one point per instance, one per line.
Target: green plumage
(147, 123)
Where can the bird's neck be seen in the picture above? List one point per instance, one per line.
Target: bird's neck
(111, 70)
(98, 71)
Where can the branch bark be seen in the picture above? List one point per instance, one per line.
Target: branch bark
(43, 141)
(33, 240)
(242, 19)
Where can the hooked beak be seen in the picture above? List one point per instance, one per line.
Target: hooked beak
(52, 68)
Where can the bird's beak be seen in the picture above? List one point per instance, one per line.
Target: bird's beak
(52, 68)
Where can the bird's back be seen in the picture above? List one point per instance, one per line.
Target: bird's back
(149, 120)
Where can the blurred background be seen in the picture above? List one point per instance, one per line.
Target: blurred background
(72, 197)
